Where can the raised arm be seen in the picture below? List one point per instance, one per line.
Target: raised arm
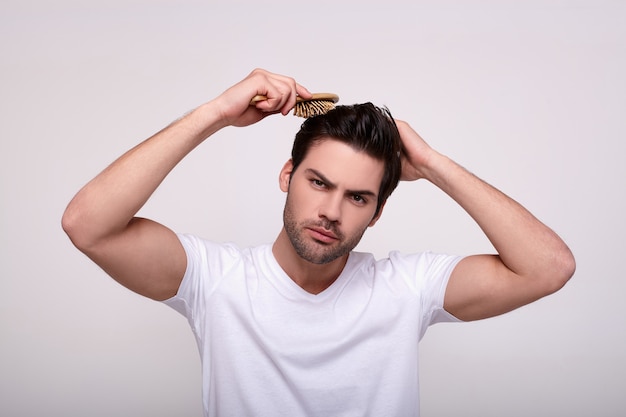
(141, 254)
(531, 260)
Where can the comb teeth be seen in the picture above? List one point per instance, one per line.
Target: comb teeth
(312, 108)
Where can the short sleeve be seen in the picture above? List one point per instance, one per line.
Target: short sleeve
(206, 263)
(427, 274)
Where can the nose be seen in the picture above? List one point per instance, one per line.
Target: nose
(330, 208)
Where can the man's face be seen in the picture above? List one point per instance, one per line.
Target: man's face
(331, 200)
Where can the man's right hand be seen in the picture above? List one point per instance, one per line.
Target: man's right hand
(281, 92)
(141, 254)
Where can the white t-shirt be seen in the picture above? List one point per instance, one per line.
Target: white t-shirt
(269, 348)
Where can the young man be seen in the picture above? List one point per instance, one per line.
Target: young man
(305, 326)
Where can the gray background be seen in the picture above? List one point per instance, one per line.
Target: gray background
(529, 95)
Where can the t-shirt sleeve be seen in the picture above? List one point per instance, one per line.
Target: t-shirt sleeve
(206, 262)
(184, 299)
(427, 274)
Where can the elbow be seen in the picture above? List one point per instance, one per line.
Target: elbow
(564, 267)
(70, 223)
(74, 226)
(570, 265)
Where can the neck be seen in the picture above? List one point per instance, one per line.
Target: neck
(312, 278)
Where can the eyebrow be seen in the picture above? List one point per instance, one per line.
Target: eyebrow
(331, 184)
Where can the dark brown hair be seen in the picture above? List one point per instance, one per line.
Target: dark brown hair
(366, 128)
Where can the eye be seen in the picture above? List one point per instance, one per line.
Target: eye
(358, 199)
(318, 183)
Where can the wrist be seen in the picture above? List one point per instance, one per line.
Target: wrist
(206, 119)
(438, 168)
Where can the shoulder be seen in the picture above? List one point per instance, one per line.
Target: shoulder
(196, 243)
(417, 270)
(423, 262)
(218, 255)
(193, 243)
(410, 262)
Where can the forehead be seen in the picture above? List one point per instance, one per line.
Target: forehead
(344, 166)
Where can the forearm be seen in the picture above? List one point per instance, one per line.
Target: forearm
(141, 254)
(524, 244)
(107, 203)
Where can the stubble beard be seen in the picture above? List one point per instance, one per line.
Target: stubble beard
(314, 251)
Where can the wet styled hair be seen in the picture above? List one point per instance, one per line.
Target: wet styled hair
(366, 128)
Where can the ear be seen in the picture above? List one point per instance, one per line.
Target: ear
(285, 176)
(380, 212)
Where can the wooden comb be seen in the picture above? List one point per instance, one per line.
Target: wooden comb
(319, 103)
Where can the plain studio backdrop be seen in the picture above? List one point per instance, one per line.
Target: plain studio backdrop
(529, 95)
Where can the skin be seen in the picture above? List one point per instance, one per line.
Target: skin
(331, 201)
(531, 261)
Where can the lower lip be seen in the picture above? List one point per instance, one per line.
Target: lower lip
(321, 237)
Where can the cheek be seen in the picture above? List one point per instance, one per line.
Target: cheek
(300, 204)
(299, 199)
(303, 197)
(357, 219)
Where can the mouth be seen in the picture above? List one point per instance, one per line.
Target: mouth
(322, 235)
